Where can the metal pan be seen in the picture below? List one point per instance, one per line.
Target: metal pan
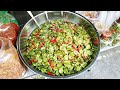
(53, 15)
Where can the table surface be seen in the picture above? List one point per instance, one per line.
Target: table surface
(107, 65)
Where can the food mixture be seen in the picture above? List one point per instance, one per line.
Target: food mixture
(61, 48)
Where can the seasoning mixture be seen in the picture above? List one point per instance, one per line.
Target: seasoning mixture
(60, 48)
(10, 65)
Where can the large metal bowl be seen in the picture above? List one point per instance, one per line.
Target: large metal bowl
(53, 15)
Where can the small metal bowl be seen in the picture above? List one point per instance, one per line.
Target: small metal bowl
(53, 15)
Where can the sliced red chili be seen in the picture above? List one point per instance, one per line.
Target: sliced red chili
(52, 66)
(79, 48)
(30, 61)
(96, 41)
(33, 45)
(73, 46)
(49, 73)
(65, 42)
(41, 45)
(33, 60)
(36, 33)
(53, 40)
(59, 30)
(49, 60)
(50, 63)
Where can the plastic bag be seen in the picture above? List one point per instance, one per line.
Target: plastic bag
(102, 16)
(91, 15)
(94, 17)
(8, 26)
(111, 17)
(106, 18)
(10, 65)
(100, 23)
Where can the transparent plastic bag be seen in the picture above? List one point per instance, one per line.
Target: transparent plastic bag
(107, 28)
(94, 17)
(10, 65)
(111, 17)
(90, 15)
(8, 26)
(106, 19)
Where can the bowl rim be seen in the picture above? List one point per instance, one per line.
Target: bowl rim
(59, 77)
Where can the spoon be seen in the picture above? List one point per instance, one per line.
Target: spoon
(30, 13)
(47, 16)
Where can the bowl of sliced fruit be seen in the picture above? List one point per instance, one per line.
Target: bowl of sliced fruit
(66, 44)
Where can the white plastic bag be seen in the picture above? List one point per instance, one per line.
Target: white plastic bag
(102, 16)
(105, 20)
(112, 16)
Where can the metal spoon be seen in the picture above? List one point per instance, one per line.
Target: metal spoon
(30, 13)
(47, 16)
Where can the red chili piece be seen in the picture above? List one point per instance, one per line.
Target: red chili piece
(53, 40)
